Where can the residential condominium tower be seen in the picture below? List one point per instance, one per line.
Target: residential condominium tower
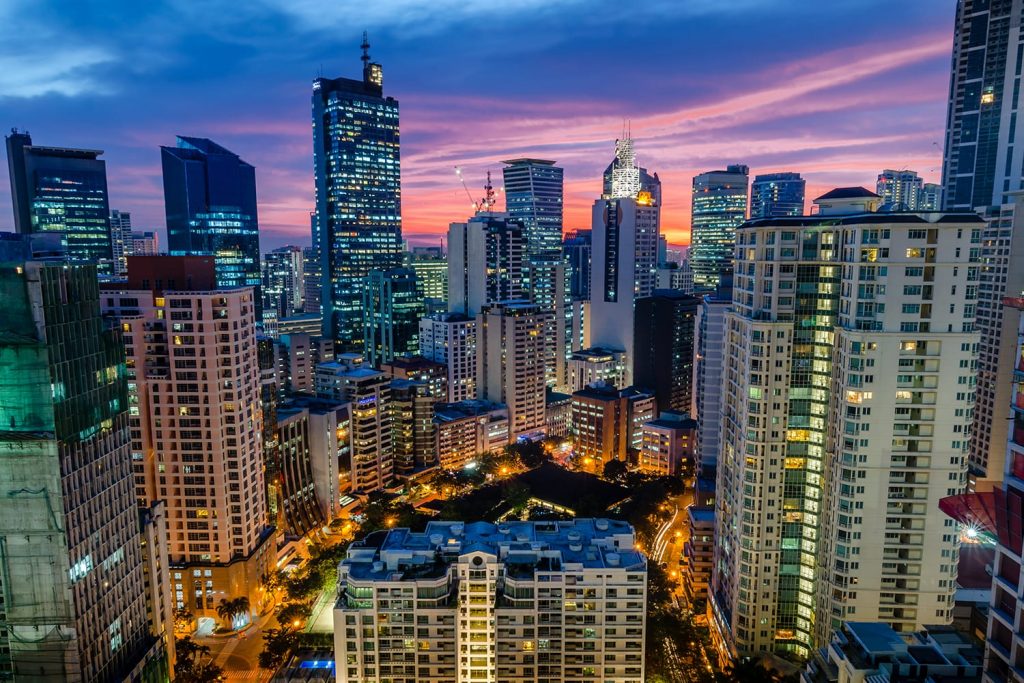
(719, 207)
(847, 391)
(902, 190)
(485, 262)
(358, 193)
(533, 196)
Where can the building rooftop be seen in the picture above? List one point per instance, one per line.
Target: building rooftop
(595, 354)
(450, 412)
(607, 392)
(704, 515)
(526, 160)
(848, 193)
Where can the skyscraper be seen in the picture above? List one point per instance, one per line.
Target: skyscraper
(930, 197)
(121, 240)
(197, 437)
(547, 283)
(719, 207)
(358, 193)
(981, 165)
(283, 281)
(62, 190)
(900, 190)
(485, 262)
(663, 327)
(451, 339)
(392, 308)
(845, 412)
(777, 194)
(74, 605)
(210, 202)
(709, 349)
(577, 251)
(431, 266)
(533, 196)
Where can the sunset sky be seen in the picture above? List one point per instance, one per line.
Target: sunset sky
(834, 89)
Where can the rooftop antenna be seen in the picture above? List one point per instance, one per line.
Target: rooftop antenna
(366, 49)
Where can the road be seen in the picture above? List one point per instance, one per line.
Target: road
(238, 655)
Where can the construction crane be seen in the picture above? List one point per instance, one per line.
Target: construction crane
(489, 200)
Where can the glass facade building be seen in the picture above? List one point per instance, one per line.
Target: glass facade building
(777, 194)
(533, 196)
(210, 201)
(358, 194)
(577, 249)
(392, 307)
(719, 207)
(62, 190)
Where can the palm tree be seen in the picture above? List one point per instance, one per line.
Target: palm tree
(229, 609)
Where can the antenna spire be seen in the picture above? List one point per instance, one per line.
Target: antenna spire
(366, 49)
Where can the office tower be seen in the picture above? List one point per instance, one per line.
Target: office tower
(1001, 242)
(310, 280)
(466, 429)
(412, 425)
(930, 197)
(777, 194)
(533, 197)
(420, 369)
(451, 339)
(719, 207)
(74, 605)
(578, 336)
(663, 328)
(283, 281)
(577, 250)
(510, 363)
(306, 323)
(488, 590)
(358, 193)
(667, 443)
(198, 436)
(350, 380)
(121, 241)
(981, 165)
(900, 190)
(850, 334)
(557, 414)
(392, 308)
(596, 366)
(678, 276)
(624, 177)
(708, 364)
(62, 190)
(546, 280)
(432, 269)
(210, 202)
(607, 423)
(145, 244)
(485, 262)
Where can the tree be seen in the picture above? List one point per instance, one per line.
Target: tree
(190, 666)
(615, 470)
(277, 644)
(293, 614)
(229, 609)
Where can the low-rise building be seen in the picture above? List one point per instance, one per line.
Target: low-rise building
(467, 429)
(558, 414)
(607, 423)
(667, 444)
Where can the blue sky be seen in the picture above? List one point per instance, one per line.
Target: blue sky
(837, 90)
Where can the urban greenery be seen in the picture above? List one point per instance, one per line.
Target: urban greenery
(193, 663)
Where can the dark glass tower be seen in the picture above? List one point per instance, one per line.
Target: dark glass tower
(663, 328)
(533, 196)
(358, 194)
(719, 207)
(62, 190)
(393, 305)
(210, 201)
(576, 250)
(777, 194)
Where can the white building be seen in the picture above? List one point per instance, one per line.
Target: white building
(451, 339)
(596, 366)
(900, 189)
(709, 347)
(510, 363)
(521, 601)
(847, 393)
(485, 262)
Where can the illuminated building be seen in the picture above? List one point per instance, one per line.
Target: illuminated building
(486, 261)
(197, 424)
(900, 190)
(930, 197)
(533, 197)
(392, 308)
(210, 202)
(607, 423)
(577, 249)
(678, 276)
(145, 244)
(510, 363)
(451, 340)
(121, 240)
(546, 280)
(432, 269)
(62, 190)
(698, 552)
(558, 414)
(358, 218)
(663, 328)
(507, 602)
(847, 390)
(667, 443)
(283, 281)
(719, 206)
(74, 583)
(596, 366)
(777, 194)
(467, 429)
(708, 362)
(412, 424)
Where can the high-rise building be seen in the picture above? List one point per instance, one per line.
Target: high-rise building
(412, 424)
(678, 276)
(577, 250)
(608, 423)
(485, 262)
(312, 271)
(466, 429)
(930, 197)
(546, 281)
(533, 197)
(283, 281)
(490, 589)
(74, 605)
(846, 412)
(777, 194)
(667, 444)
(624, 177)
(121, 241)
(145, 244)
(981, 165)
(596, 366)
(62, 190)
(663, 329)
(451, 339)
(358, 193)
(432, 269)
(719, 207)
(350, 380)
(708, 360)
(210, 202)
(510, 363)
(900, 190)
(197, 424)
(392, 308)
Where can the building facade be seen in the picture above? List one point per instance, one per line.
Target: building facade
(577, 249)
(708, 362)
(468, 429)
(667, 444)
(663, 329)
(533, 197)
(451, 339)
(121, 242)
(901, 190)
(283, 282)
(392, 308)
(596, 366)
(777, 194)
(608, 424)
(432, 270)
(486, 259)
(719, 207)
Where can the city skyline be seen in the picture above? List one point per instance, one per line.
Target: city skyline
(683, 122)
